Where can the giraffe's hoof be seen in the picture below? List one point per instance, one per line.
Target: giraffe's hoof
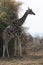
(3, 57)
(8, 56)
(21, 56)
(15, 55)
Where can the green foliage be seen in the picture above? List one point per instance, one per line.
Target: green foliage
(8, 12)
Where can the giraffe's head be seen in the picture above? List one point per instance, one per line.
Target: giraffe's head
(29, 11)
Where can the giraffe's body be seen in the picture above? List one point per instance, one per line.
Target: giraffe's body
(14, 30)
(9, 33)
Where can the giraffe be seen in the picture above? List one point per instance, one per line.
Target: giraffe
(14, 31)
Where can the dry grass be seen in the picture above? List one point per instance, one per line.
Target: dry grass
(32, 58)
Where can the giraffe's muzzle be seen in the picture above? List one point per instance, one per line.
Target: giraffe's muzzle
(33, 13)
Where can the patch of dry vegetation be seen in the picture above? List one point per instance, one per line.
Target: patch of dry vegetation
(32, 58)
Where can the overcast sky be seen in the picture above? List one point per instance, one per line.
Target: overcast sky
(34, 23)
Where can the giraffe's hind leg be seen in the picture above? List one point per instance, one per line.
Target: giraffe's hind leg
(15, 48)
(20, 47)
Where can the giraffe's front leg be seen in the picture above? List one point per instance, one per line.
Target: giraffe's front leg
(7, 50)
(20, 47)
(3, 55)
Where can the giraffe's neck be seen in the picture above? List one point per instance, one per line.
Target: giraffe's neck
(24, 17)
(22, 20)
